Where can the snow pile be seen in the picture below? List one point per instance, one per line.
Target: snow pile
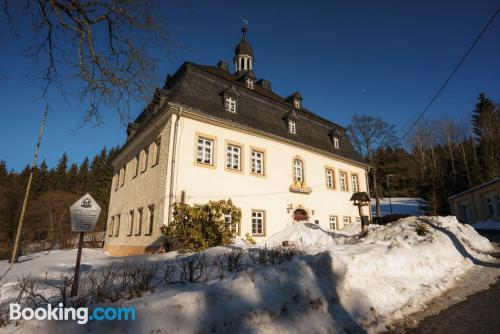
(304, 234)
(343, 284)
(487, 225)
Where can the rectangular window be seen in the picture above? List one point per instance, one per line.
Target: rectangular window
(136, 166)
(296, 103)
(333, 222)
(489, 205)
(151, 220)
(358, 220)
(354, 183)
(343, 181)
(204, 152)
(230, 104)
(117, 225)
(330, 179)
(111, 226)
(257, 162)
(233, 227)
(122, 177)
(258, 223)
(233, 157)
(131, 223)
(116, 180)
(139, 222)
(336, 142)
(250, 83)
(292, 127)
(157, 151)
(347, 220)
(145, 154)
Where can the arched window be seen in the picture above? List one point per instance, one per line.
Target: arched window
(298, 171)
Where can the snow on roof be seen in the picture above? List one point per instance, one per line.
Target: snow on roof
(475, 188)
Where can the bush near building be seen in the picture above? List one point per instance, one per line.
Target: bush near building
(201, 227)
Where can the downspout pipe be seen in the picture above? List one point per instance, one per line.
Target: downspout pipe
(172, 166)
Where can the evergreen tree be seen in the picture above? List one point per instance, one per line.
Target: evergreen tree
(486, 127)
(60, 176)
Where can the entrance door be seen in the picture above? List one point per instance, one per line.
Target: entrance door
(300, 215)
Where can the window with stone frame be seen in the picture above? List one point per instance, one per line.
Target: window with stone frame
(330, 178)
(292, 126)
(205, 150)
(258, 221)
(233, 157)
(257, 162)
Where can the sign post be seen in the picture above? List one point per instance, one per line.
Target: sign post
(84, 214)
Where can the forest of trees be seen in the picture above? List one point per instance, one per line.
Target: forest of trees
(52, 192)
(440, 158)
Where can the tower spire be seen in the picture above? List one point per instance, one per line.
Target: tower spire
(243, 54)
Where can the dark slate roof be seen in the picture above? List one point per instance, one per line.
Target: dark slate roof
(243, 47)
(202, 87)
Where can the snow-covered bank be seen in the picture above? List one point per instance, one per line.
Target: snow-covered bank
(342, 283)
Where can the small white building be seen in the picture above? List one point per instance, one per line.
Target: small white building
(212, 134)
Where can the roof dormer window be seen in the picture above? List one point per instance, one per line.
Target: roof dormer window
(292, 126)
(230, 104)
(336, 142)
(296, 103)
(249, 83)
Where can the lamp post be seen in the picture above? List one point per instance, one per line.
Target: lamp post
(389, 189)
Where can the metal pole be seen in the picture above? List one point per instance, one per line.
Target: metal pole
(389, 188)
(74, 287)
(15, 249)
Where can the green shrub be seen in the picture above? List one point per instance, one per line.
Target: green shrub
(199, 228)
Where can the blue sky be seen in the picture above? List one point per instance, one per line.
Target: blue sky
(380, 58)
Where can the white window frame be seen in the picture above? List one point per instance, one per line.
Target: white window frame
(204, 151)
(346, 220)
(296, 103)
(336, 143)
(358, 220)
(298, 170)
(249, 83)
(230, 104)
(354, 183)
(233, 157)
(258, 222)
(333, 220)
(330, 178)
(343, 181)
(258, 161)
(292, 126)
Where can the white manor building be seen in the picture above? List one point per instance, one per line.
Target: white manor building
(212, 134)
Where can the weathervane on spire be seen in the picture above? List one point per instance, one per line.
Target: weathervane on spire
(245, 27)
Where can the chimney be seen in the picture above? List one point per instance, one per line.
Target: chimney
(222, 65)
(264, 84)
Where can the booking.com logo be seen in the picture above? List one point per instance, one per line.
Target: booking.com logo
(81, 314)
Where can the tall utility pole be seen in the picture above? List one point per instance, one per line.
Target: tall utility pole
(15, 249)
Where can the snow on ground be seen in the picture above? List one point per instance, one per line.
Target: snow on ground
(487, 225)
(342, 284)
(414, 206)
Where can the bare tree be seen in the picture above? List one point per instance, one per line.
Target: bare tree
(369, 134)
(102, 44)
